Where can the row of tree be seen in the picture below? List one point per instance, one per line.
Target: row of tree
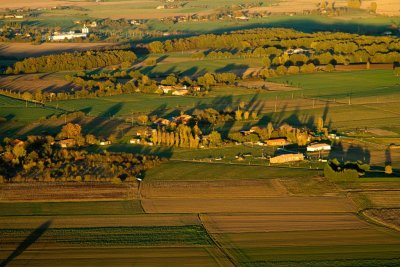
(185, 136)
(76, 61)
(277, 40)
(347, 171)
(274, 57)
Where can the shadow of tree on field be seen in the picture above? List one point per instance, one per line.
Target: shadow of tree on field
(351, 153)
(103, 121)
(31, 239)
(388, 156)
(238, 69)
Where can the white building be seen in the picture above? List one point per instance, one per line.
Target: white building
(70, 35)
(318, 147)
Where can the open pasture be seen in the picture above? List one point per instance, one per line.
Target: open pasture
(339, 85)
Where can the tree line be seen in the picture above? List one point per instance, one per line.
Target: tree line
(347, 171)
(39, 158)
(76, 61)
(280, 38)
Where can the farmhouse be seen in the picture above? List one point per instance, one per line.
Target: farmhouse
(297, 51)
(70, 35)
(66, 143)
(277, 142)
(252, 130)
(17, 142)
(105, 143)
(287, 158)
(143, 131)
(180, 92)
(182, 119)
(162, 121)
(318, 147)
(134, 141)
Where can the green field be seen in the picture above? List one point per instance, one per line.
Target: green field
(308, 23)
(339, 85)
(15, 109)
(192, 171)
(190, 235)
(184, 65)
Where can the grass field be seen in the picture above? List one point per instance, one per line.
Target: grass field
(189, 171)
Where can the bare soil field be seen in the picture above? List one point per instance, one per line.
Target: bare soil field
(213, 189)
(22, 222)
(23, 50)
(381, 132)
(268, 204)
(94, 257)
(66, 192)
(389, 217)
(260, 222)
(35, 82)
(385, 7)
(314, 248)
(31, 4)
(381, 199)
(316, 186)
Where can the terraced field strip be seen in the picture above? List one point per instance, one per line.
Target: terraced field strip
(261, 222)
(268, 204)
(87, 221)
(118, 256)
(303, 239)
(150, 240)
(70, 208)
(66, 192)
(213, 189)
(381, 199)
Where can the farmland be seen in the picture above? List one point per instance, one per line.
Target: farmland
(184, 149)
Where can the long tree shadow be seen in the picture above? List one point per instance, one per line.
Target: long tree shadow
(31, 239)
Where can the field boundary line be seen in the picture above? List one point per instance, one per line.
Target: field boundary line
(216, 243)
